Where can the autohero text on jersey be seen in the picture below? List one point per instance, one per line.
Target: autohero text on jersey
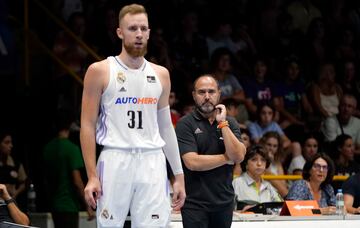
(136, 100)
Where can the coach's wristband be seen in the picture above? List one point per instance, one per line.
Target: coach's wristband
(223, 124)
(9, 201)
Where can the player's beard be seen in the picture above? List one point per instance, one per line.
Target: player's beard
(135, 52)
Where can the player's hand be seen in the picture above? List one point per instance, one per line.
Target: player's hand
(92, 192)
(220, 112)
(179, 194)
(91, 213)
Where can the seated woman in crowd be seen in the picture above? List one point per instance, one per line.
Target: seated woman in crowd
(265, 123)
(250, 187)
(325, 93)
(344, 156)
(12, 172)
(345, 163)
(315, 185)
(310, 147)
(273, 145)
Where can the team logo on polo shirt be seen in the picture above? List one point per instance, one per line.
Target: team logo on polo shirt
(122, 89)
(120, 77)
(151, 79)
(198, 131)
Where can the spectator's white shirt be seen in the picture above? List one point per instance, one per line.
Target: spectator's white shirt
(331, 129)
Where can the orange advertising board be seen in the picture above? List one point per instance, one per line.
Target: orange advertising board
(300, 208)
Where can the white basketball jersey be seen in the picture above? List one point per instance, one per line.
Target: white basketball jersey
(128, 111)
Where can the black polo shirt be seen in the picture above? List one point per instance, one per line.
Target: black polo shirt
(206, 190)
(4, 213)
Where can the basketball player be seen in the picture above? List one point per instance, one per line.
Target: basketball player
(125, 108)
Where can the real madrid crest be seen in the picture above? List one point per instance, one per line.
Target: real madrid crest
(121, 77)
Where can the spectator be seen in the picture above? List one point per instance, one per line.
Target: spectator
(220, 36)
(175, 114)
(63, 167)
(344, 158)
(349, 81)
(325, 93)
(245, 45)
(310, 147)
(259, 88)
(12, 172)
(343, 123)
(234, 109)
(221, 65)
(346, 47)
(231, 107)
(303, 12)
(354, 18)
(273, 145)
(290, 100)
(250, 186)
(266, 123)
(290, 41)
(189, 48)
(351, 190)
(345, 164)
(9, 211)
(245, 137)
(315, 185)
(315, 49)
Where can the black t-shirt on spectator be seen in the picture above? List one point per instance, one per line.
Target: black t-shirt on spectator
(352, 187)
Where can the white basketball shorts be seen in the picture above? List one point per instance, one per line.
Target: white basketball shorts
(134, 179)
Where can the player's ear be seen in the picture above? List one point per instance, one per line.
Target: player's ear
(119, 33)
(148, 34)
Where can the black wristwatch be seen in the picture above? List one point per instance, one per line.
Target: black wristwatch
(11, 200)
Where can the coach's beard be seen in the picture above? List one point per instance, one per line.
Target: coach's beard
(206, 108)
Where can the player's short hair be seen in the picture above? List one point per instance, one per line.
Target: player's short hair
(131, 9)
